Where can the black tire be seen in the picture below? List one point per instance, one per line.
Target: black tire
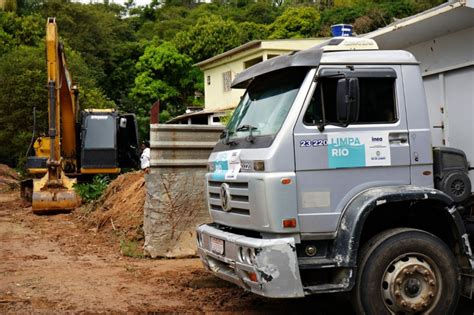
(392, 270)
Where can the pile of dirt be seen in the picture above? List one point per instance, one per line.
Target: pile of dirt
(119, 210)
(9, 178)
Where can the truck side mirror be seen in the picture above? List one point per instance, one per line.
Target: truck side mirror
(347, 100)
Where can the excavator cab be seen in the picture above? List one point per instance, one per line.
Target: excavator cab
(109, 142)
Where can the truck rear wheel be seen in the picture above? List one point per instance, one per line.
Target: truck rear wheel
(406, 271)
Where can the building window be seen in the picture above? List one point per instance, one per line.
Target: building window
(272, 56)
(208, 80)
(227, 79)
(251, 62)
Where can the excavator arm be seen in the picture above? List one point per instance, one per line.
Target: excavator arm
(54, 191)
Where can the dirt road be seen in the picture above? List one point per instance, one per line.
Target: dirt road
(54, 264)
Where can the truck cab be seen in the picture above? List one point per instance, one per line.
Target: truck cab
(325, 164)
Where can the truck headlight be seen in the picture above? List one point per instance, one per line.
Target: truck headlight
(259, 166)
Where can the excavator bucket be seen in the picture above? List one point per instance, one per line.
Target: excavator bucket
(54, 197)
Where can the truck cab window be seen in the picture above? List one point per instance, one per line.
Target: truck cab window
(377, 101)
(266, 104)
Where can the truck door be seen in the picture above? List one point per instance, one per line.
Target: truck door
(335, 163)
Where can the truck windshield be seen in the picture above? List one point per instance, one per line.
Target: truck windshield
(266, 103)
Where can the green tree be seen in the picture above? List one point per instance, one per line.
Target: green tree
(252, 31)
(10, 5)
(344, 3)
(6, 41)
(20, 30)
(296, 22)
(96, 31)
(23, 76)
(210, 36)
(165, 21)
(122, 72)
(90, 94)
(367, 16)
(261, 12)
(165, 75)
(27, 7)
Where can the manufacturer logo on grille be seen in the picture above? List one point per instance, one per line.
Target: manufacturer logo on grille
(225, 197)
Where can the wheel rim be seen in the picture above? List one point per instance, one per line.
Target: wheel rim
(411, 284)
(457, 187)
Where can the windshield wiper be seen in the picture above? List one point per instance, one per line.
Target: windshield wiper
(225, 135)
(250, 128)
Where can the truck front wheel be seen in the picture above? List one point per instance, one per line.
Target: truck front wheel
(406, 271)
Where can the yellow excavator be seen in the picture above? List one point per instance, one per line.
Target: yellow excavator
(80, 143)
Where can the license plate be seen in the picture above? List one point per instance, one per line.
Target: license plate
(217, 246)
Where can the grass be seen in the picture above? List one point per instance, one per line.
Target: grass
(131, 249)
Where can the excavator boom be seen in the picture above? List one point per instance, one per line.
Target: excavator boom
(54, 191)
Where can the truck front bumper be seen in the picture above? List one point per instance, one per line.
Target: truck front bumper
(268, 267)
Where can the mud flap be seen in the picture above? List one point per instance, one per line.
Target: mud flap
(467, 289)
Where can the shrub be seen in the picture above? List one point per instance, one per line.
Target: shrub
(93, 190)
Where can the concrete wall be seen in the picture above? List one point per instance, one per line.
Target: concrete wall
(176, 199)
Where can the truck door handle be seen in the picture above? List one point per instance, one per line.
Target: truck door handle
(398, 138)
(401, 140)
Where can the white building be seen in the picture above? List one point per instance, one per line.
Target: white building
(220, 70)
(442, 39)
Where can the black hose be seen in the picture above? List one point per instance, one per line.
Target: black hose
(52, 118)
(34, 132)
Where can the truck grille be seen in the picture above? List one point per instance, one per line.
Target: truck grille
(239, 197)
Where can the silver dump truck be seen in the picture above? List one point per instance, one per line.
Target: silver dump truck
(325, 180)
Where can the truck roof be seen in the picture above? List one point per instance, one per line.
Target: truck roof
(331, 52)
(387, 57)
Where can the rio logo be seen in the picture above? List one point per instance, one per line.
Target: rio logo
(339, 152)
